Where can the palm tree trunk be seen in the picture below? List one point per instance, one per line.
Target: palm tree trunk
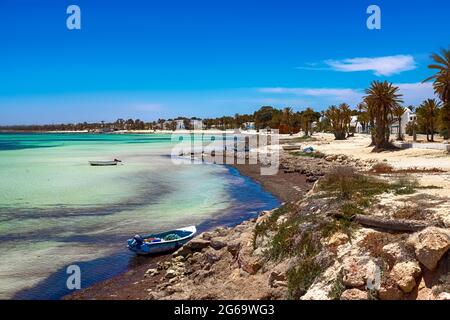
(399, 129)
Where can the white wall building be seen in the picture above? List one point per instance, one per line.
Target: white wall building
(356, 125)
(197, 124)
(407, 117)
(249, 125)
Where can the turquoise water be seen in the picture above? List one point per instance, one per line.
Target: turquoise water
(56, 210)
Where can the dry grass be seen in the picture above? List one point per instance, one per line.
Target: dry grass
(385, 168)
(381, 168)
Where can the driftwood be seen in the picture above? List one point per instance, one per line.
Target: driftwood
(385, 223)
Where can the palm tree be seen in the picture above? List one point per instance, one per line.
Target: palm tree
(382, 98)
(339, 118)
(307, 118)
(398, 112)
(441, 85)
(287, 118)
(427, 114)
(441, 79)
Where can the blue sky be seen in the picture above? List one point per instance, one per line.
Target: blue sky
(148, 59)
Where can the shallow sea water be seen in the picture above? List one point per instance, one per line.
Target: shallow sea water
(56, 210)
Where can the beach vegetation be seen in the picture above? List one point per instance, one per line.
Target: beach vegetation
(340, 118)
(381, 168)
(338, 286)
(428, 117)
(270, 223)
(382, 98)
(302, 276)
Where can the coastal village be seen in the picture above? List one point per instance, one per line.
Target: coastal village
(365, 213)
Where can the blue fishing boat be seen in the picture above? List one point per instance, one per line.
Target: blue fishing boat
(161, 242)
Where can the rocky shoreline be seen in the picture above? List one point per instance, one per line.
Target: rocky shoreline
(310, 248)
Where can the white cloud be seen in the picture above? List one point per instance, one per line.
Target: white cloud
(319, 96)
(381, 66)
(314, 92)
(416, 93)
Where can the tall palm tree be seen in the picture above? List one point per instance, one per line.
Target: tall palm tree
(287, 118)
(382, 97)
(398, 112)
(441, 85)
(442, 77)
(427, 114)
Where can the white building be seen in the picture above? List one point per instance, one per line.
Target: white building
(180, 124)
(407, 117)
(356, 125)
(196, 124)
(249, 125)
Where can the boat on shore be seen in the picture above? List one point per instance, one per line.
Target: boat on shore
(105, 162)
(161, 242)
(291, 147)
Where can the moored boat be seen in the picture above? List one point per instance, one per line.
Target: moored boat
(291, 147)
(161, 242)
(104, 162)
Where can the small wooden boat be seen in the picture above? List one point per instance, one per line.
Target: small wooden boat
(161, 242)
(104, 162)
(291, 147)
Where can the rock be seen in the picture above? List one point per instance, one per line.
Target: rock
(276, 277)
(198, 244)
(234, 248)
(221, 232)
(444, 296)
(430, 245)
(151, 273)
(338, 239)
(311, 179)
(184, 251)
(354, 294)
(397, 252)
(211, 258)
(217, 244)
(356, 270)
(390, 292)
(206, 236)
(405, 274)
(248, 262)
(279, 284)
(178, 259)
(171, 273)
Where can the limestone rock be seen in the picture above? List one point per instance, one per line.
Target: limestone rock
(151, 273)
(217, 244)
(405, 274)
(390, 292)
(248, 262)
(354, 294)
(198, 244)
(356, 270)
(444, 296)
(234, 248)
(206, 236)
(397, 252)
(430, 245)
(171, 273)
(184, 251)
